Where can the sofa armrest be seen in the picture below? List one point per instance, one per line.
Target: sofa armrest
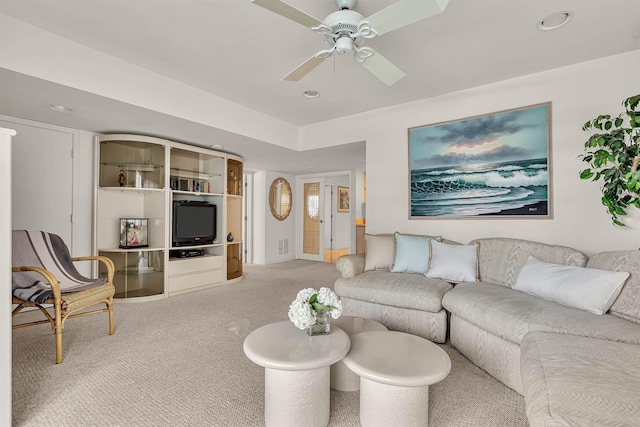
(350, 265)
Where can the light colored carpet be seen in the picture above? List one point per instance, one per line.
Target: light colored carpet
(179, 362)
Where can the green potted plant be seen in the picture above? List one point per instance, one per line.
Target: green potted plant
(613, 154)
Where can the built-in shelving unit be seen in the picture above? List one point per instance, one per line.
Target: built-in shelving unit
(139, 177)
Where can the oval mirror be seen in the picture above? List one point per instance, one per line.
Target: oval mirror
(280, 199)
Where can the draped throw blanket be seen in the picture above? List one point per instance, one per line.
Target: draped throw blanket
(47, 251)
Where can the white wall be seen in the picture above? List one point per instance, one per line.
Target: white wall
(358, 195)
(268, 231)
(577, 93)
(279, 230)
(5, 276)
(30, 50)
(82, 185)
(260, 211)
(341, 222)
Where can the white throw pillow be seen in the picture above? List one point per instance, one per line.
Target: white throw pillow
(412, 253)
(380, 250)
(453, 263)
(588, 289)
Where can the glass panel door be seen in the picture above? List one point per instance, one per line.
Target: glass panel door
(312, 220)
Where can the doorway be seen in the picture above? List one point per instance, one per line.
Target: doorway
(312, 247)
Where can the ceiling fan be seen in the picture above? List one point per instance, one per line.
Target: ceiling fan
(346, 30)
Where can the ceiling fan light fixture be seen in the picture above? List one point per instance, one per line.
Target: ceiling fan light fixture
(555, 20)
(311, 94)
(59, 108)
(344, 45)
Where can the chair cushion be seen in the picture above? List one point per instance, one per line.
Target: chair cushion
(47, 251)
(403, 290)
(453, 263)
(588, 289)
(380, 250)
(500, 259)
(511, 314)
(578, 381)
(412, 253)
(627, 305)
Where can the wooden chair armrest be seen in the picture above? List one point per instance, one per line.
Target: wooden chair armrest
(50, 278)
(105, 260)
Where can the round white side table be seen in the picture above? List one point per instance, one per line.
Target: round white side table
(296, 372)
(395, 371)
(342, 378)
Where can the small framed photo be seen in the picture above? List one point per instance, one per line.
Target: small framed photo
(343, 199)
(133, 233)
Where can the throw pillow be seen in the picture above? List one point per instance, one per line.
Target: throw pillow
(453, 263)
(379, 251)
(587, 289)
(412, 253)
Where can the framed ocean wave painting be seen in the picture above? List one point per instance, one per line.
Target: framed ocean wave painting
(491, 166)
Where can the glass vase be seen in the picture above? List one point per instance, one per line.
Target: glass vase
(322, 325)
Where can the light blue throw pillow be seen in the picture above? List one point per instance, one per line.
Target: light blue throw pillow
(412, 253)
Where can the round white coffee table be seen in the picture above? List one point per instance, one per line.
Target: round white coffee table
(395, 371)
(342, 378)
(296, 372)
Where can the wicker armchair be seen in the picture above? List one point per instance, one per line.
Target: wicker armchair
(43, 273)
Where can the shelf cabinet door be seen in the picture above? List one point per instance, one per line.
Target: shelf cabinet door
(131, 164)
(234, 177)
(234, 261)
(137, 273)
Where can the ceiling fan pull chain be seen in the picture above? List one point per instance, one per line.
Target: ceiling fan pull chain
(334, 66)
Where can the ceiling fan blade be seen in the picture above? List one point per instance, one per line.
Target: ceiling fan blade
(303, 69)
(383, 69)
(288, 11)
(404, 12)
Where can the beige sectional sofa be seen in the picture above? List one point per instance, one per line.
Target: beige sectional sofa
(515, 336)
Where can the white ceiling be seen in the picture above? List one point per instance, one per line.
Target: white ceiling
(239, 51)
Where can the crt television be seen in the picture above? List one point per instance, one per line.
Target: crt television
(194, 223)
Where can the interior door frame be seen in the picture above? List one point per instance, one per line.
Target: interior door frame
(300, 181)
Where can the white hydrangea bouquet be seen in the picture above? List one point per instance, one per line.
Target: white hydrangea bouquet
(311, 310)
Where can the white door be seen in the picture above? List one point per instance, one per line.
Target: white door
(42, 180)
(312, 204)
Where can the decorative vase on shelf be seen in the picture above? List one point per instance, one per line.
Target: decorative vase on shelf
(229, 237)
(322, 325)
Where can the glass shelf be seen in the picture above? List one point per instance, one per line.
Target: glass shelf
(128, 166)
(118, 250)
(193, 173)
(133, 189)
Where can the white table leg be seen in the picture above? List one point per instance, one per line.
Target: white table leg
(343, 378)
(296, 398)
(387, 405)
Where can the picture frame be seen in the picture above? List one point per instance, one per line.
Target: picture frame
(343, 199)
(495, 165)
(133, 233)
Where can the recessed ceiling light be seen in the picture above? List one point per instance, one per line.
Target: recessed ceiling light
(555, 20)
(59, 108)
(312, 94)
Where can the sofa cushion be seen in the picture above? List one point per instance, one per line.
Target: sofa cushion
(500, 259)
(578, 381)
(453, 263)
(412, 253)
(589, 289)
(510, 314)
(403, 290)
(350, 265)
(380, 251)
(627, 305)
